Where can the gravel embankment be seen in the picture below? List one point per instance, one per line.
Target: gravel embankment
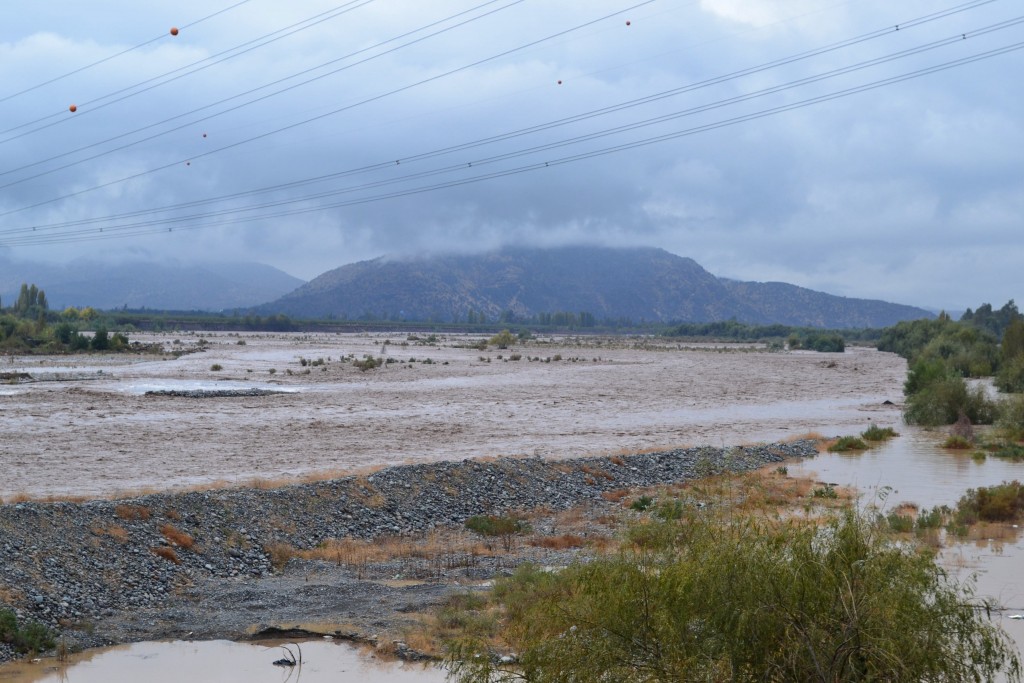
(172, 563)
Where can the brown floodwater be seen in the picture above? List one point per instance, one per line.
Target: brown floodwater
(220, 661)
(915, 469)
(90, 421)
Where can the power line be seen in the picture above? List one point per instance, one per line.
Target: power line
(80, 69)
(207, 63)
(251, 91)
(262, 136)
(123, 231)
(916, 22)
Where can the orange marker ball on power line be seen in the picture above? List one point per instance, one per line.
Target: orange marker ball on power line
(174, 30)
(73, 108)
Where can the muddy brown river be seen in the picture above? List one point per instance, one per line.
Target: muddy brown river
(84, 426)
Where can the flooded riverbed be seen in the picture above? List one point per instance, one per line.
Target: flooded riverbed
(220, 661)
(92, 422)
(913, 468)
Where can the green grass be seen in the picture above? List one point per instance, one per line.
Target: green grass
(641, 503)
(876, 433)
(848, 443)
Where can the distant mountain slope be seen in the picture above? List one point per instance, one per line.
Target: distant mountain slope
(639, 284)
(791, 305)
(207, 287)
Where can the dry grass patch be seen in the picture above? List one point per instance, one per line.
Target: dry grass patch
(114, 531)
(132, 513)
(358, 552)
(279, 554)
(166, 553)
(11, 596)
(577, 518)
(806, 436)
(563, 542)
(616, 496)
(177, 537)
(367, 494)
(596, 472)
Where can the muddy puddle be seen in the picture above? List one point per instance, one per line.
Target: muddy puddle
(914, 469)
(220, 661)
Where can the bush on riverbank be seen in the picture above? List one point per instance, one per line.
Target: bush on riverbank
(738, 598)
(1001, 503)
(817, 341)
(942, 401)
(30, 637)
(941, 353)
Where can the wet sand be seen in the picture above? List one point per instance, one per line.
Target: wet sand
(89, 429)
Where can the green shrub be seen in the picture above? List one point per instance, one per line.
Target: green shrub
(923, 373)
(502, 527)
(1001, 503)
(957, 442)
(216, 367)
(817, 341)
(1010, 377)
(932, 519)
(491, 525)
(100, 340)
(876, 433)
(642, 503)
(368, 363)
(941, 403)
(737, 598)
(825, 491)
(31, 637)
(1008, 451)
(503, 339)
(848, 443)
(901, 524)
(1011, 417)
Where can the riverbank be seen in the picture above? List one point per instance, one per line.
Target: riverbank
(227, 563)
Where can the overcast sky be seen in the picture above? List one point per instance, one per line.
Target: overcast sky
(911, 191)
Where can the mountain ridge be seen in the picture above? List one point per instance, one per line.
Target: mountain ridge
(637, 283)
(213, 286)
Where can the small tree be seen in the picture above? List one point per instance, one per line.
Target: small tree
(503, 339)
(100, 340)
(503, 528)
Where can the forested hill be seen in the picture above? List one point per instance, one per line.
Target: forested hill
(638, 284)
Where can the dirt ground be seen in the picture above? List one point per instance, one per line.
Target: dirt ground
(84, 426)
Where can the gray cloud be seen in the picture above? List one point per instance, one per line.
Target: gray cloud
(910, 192)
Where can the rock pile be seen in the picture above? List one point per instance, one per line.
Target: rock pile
(72, 564)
